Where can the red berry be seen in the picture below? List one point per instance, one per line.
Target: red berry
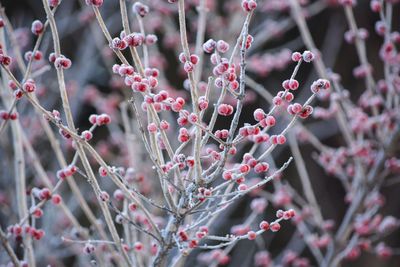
(96, 3)
(37, 27)
(251, 235)
(56, 199)
(275, 227)
(264, 225)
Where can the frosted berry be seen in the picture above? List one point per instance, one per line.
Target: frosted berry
(37, 27)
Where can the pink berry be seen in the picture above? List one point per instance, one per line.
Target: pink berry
(296, 56)
(222, 46)
(225, 109)
(188, 66)
(261, 167)
(18, 94)
(103, 171)
(104, 196)
(275, 227)
(56, 199)
(209, 46)
(277, 101)
(259, 114)
(14, 116)
(244, 168)
(54, 3)
(249, 5)
(285, 85)
(164, 125)
(152, 128)
(52, 57)
(308, 56)
(93, 119)
(348, 2)
(293, 84)
(279, 213)
(29, 86)
(138, 246)
(264, 225)
(37, 27)
(203, 103)
(62, 63)
(251, 235)
(103, 119)
(150, 39)
(194, 59)
(140, 9)
(320, 84)
(227, 175)
(89, 248)
(87, 135)
(281, 139)
(119, 44)
(118, 195)
(183, 135)
(242, 187)
(96, 3)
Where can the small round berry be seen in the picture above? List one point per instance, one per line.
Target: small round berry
(118, 44)
(14, 116)
(275, 227)
(249, 5)
(5, 60)
(320, 84)
(118, 195)
(103, 171)
(194, 59)
(259, 114)
(296, 56)
(152, 128)
(93, 119)
(164, 125)
(251, 235)
(188, 66)
(29, 86)
(209, 46)
(138, 246)
(264, 225)
(87, 135)
(52, 57)
(104, 196)
(227, 175)
(150, 39)
(62, 63)
(96, 3)
(281, 139)
(53, 3)
(293, 84)
(132, 207)
(89, 248)
(140, 9)
(242, 187)
(222, 46)
(37, 27)
(279, 213)
(56, 199)
(308, 56)
(348, 2)
(376, 6)
(225, 109)
(18, 94)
